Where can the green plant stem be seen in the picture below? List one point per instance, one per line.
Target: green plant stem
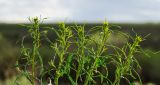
(90, 72)
(64, 33)
(33, 64)
(58, 74)
(80, 50)
(126, 66)
(35, 33)
(100, 48)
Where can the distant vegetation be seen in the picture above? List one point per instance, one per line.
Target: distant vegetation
(13, 32)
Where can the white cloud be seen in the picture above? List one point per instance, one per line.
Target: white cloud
(19, 10)
(81, 10)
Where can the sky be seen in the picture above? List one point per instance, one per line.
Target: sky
(17, 11)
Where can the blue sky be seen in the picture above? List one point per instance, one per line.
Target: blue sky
(15, 11)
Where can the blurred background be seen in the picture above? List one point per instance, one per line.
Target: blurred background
(141, 15)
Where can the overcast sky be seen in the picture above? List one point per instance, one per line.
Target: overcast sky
(81, 10)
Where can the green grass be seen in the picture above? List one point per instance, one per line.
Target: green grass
(79, 51)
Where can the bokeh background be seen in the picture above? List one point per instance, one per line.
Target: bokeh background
(142, 16)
